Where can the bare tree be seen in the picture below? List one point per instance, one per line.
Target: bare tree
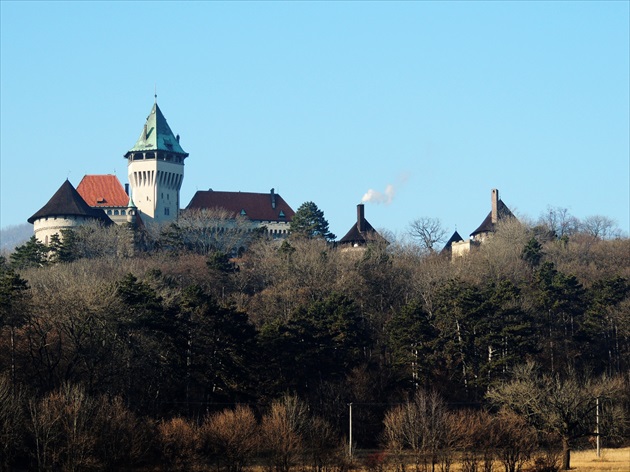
(560, 221)
(61, 424)
(12, 423)
(562, 405)
(600, 227)
(203, 231)
(178, 441)
(428, 232)
(515, 440)
(230, 438)
(284, 430)
(422, 426)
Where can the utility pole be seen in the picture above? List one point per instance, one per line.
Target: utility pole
(350, 432)
(597, 427)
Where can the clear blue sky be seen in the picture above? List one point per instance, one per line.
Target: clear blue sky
(323, 101)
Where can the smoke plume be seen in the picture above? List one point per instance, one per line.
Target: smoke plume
(375, 196)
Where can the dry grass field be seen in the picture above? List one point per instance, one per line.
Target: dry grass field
(611, 460)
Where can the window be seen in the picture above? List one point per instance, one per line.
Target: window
(243, 213)
(166, 211)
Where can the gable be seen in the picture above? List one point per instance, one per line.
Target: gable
(103, 191)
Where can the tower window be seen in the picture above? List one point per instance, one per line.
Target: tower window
(166, 211)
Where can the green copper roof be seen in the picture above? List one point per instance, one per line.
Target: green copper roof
(157, 135)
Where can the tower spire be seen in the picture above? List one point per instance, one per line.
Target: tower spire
(155, 166)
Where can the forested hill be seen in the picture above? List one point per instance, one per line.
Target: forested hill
(172, 331)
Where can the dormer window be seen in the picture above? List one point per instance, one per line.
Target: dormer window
(100, 200)
(281, 214)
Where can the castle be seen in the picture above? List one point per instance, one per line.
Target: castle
(155, 171)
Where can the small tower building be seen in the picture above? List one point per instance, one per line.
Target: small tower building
(155, 167)
(65, 210)
(361, 233)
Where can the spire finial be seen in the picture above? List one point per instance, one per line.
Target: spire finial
(155, 93)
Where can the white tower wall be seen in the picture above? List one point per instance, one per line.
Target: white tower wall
(155, 186)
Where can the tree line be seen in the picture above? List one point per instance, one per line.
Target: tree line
(169, 332)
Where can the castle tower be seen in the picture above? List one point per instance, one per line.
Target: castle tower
(155, 166)
(64, 211)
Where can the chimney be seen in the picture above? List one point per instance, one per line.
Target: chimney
(273, 199)
(127, 189)
(361, 218)
(495, 206)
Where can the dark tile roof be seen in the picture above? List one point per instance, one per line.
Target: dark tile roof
(67, 202)
(455, 238)
(354, 236)
(487, 226)
(255, 206)
(103, 191)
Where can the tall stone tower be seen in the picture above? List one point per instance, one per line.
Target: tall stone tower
(155, 166)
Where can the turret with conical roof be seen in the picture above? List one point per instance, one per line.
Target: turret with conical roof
(155, 167)
(65, 210)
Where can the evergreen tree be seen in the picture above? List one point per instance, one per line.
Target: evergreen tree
(64, 248)
(30, 254)
(309, 222)
(218, 346)
(412, 340)
(532, 252)
(13, 308)
(561, 304)
(322, 341)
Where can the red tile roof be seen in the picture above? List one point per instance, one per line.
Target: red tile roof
(103, 191)
(256, 206)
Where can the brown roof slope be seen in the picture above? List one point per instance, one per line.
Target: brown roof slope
(67, 202)
(103, 190)
(257, 206)
(487, 226)
(354, 236)
(362, 231)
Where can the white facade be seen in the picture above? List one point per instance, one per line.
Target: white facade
(46, 227)
(155, 184)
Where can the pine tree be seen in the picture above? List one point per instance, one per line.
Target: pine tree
(30, 254)
(309, 222)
